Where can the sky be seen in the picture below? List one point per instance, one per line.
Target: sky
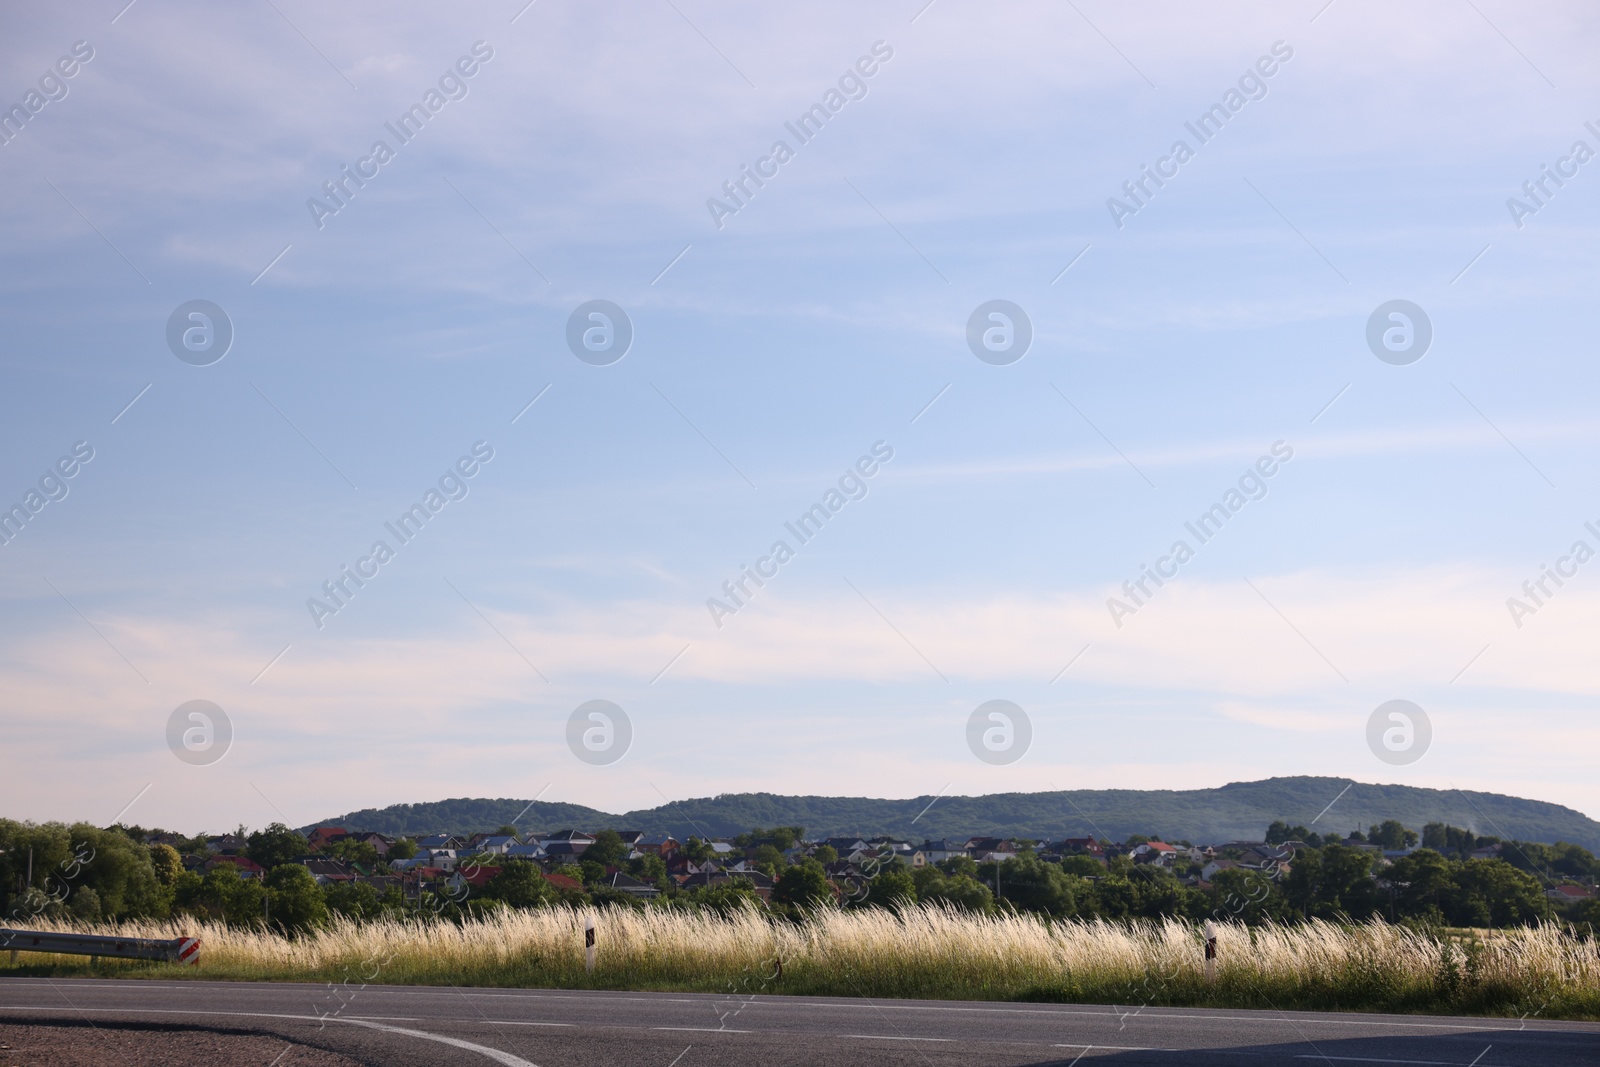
(363, 347)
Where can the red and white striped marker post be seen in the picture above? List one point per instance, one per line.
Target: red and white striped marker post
(1211, 952)
(588, 944)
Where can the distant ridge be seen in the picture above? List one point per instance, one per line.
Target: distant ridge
(1236, 811)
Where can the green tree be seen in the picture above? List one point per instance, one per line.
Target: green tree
(1082, 865)
(354, 900)
(85, 905)
(402, 849)
(804, 885)
(697, 850)
(519, 884)
(735, 895)
(1494, 888)
(1423, 885)
(275, 846)
(231, 898)
(826, 854)
(891, 887)
(1390, 834)
(785, 837)
(959, 865)
(768, 859)
(957, 890)
(165, 864)
(350, 850)
(607, 850)
(649, 868)
(1031, 884)
(294, 900)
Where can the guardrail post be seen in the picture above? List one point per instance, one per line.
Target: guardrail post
(588, 944)
(1211, 952)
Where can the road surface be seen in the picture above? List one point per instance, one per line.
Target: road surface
(420, 1026)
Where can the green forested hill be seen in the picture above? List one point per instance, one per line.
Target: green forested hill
(1237, 811)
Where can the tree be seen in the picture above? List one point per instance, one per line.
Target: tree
(826, 854)
(607, 850)
(1084, 866)
(354, 900)
(402, 849)
(804, 885)
(85, 906)
(350, 850)
(165, 864)
(697, 850)
(520, 884)
(891, 887)
(1390, 834)
(1346, 886)
(735, 895)
(958, 890)
(294, 900)
(275, 846)
(1033, 885)
(1423, 885)
(506, 831)
(960, 865)
(237, 901)
(785, 837)
(648, 868)
(1494, 888)
(768, 859)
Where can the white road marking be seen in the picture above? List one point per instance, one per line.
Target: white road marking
(484, 1050)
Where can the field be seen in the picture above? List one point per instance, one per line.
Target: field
(921, 952)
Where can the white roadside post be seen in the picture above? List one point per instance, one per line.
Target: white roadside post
(1211, 952)
(588, 944)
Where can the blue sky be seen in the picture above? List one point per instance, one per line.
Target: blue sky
(372, 352)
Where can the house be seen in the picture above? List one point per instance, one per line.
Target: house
(941, 850)
(475, 877)
(1487, 852)
(710, 879)
(845, 845)
(1158, 853)
(326, 835)
(562, 881)
(496, 844)
(226, 844)
(327, 871)
(632, 886)
(534, 852)
(660, 846)
(1569, 893)
(631, 838)
(1209, 871)
(1075, 845)
(566, 844)
(439, 841)
(998, 845)
(380, 842)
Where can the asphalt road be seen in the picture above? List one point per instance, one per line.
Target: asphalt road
(419, 1026)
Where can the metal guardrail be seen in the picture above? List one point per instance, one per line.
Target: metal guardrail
(179, 950)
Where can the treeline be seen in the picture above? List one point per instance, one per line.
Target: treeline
(88, 874)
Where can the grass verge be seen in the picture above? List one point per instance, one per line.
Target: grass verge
(921, 952)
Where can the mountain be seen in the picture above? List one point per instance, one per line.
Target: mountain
(1237, 811)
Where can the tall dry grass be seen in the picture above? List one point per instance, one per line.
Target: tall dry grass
(925, 951)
